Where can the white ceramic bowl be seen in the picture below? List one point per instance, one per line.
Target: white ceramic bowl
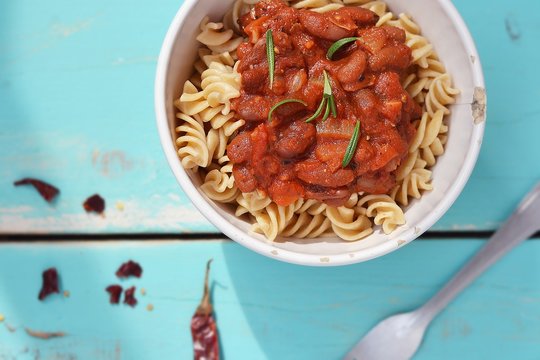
(444, 27)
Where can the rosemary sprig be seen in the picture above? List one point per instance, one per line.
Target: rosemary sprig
(317, 112)
(327, 111)
(351, 148)
(333, 106)
(283, 102)
(270, 55)
(338, 44)
(328, 102)
(327, 91)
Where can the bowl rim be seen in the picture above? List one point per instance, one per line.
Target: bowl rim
(266, 248)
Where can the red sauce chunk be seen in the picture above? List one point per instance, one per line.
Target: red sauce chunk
(289, 158)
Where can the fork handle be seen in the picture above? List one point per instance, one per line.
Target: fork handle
(523, 223)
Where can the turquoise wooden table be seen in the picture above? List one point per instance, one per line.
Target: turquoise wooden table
(76, 109)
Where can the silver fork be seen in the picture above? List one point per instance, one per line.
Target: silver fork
(399, 336)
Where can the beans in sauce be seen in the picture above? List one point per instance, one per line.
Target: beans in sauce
(288, 158)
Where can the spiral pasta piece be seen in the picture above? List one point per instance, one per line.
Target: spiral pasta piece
(219, 186)
(251, 203)
(317, 5)
(230, 20)
(312, 207)
(217, 120)
(191, 142)
(305, 225)
(347, 224)
(192, 100)
(217, 38)
(440, 95)
(413, 184)
(273, 219)
(384, 211)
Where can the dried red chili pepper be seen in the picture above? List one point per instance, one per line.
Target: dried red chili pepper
(130, 268)
(94, 203)
(47, 191)
(129, 297)
(115, 291)
(50, 283)
(203, 327)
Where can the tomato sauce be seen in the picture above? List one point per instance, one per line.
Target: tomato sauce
(287, 157)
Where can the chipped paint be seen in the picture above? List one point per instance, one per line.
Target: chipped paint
(473, 59)
(325, 259)
(464, 227)
(417, 230)
(478, 105)
(23, 209)
(135, 60)
(351, 255)
(401, 242)
(95, 157)
(138, 216)
(274, 252)
(174, 197)
(66, 30)
(112, 163)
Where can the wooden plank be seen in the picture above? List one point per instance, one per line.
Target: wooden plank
(76, 105)
(265, 309)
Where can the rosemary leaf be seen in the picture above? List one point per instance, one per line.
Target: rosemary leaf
(338, 44)
(351, 148)
(270, 55)
(318, 112)
(283, 102)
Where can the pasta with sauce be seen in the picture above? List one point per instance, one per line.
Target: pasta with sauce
(208, 124)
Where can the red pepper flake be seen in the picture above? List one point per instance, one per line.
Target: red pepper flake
(115, 291)
(43, 334)
(50, 283)
(129, 297)
(47, 191)
(130, 268)
(203, 326)
(94, 203)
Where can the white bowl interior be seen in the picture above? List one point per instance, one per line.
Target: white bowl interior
(442, 25)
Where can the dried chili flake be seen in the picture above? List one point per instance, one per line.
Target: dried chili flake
(50, 283)
(115, 291)
(130, 268)
(47, 191)
(94, 203)
(129, 297)
(203, 327)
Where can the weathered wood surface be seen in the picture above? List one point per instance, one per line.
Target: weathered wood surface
(76, 109)
(265, 309)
